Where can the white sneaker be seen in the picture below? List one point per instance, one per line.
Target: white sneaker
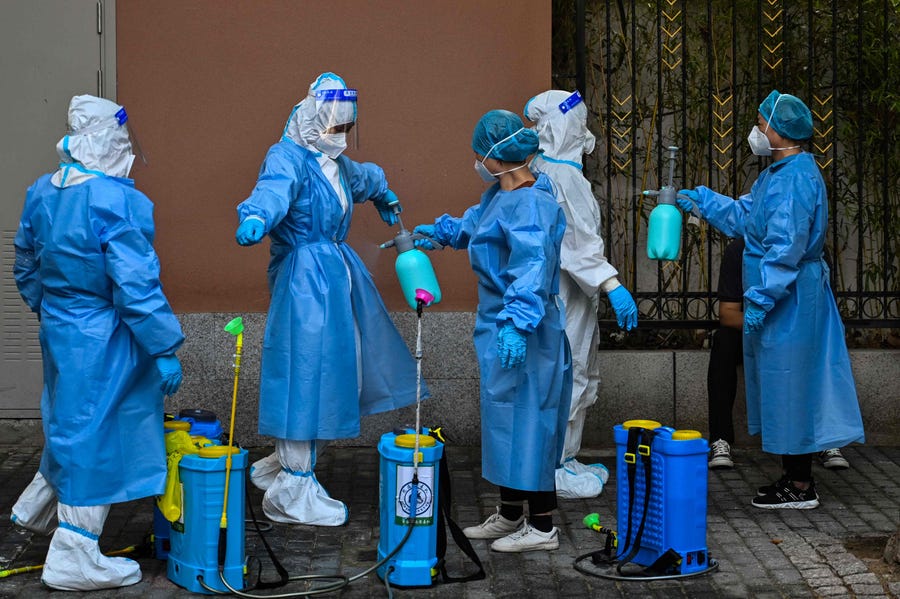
(833, 459)
(527, 538)
(494, 527)
(720, 454)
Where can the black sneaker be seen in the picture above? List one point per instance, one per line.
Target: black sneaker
(788, 497)
(769, 489)
(833, 459)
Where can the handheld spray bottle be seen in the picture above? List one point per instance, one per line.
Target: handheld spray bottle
(413, 267)
(664, 231)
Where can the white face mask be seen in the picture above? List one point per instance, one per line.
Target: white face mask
(483, 172)
(332, 144)
(489, 177)
(759, 143)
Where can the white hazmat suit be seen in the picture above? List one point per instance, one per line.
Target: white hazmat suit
(561, 123)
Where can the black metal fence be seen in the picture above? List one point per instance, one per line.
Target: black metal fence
(691, 73)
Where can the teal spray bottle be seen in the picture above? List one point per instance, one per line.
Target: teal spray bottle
(664, 230)
(414, 269)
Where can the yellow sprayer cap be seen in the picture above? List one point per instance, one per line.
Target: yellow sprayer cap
(650, 424)
(686, 435)
(216, 451)
(408, 441)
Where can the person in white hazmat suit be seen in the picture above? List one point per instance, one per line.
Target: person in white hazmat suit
(560, 119)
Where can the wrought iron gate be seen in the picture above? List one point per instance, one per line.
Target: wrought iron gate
(692, 73)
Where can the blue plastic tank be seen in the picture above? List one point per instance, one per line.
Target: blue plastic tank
(664, 232)
(676, 515)
(415, 272)
(194, 538)
(416, 562)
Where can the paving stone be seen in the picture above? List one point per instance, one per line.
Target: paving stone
(761, 554)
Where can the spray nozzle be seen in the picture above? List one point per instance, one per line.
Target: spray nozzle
(405, 241)
(666, 193)
(235, 327)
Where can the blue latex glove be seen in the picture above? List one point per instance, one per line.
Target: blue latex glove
(510, 346)
(170, 372)
(624, 307)
(753, 318)
(688, 205)
(388, 207)
(428, 231)
(250, 231)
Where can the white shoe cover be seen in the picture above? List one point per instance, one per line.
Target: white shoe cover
(74, 561)
(264, 471)
(35, 510)
(597, 469)
(575, 480)
(296, 497)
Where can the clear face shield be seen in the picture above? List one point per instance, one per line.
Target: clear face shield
(336, 116)
(118, 120)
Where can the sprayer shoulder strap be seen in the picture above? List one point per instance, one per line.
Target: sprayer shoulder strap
(630, 457)
(444, 502)
(644, 451)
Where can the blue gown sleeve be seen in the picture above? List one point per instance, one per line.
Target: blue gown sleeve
(457, 231)
(366, 179)
(133, 268)
(26, 269)
(276, 186)
(789, 216)
(529, 228)
(723, 212)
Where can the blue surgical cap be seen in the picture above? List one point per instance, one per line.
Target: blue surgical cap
(788, 115)
(516, 143)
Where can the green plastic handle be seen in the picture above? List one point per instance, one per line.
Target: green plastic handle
(235, 327)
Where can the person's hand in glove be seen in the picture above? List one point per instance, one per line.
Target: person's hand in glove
(510, 346)
(388, 207)
(427, 231)
(250, 231)
(170, 372)
(624, 307)
(753, 318)
(688, 200)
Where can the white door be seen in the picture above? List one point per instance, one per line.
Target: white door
(50, 50)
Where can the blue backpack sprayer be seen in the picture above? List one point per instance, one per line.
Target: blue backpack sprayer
(661, 480)
(408, 487)
(207, 542)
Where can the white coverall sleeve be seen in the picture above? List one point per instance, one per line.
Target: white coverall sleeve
(583, 251)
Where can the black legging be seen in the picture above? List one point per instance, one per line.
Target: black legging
(798, 467)
(726, 354)
(539, 502)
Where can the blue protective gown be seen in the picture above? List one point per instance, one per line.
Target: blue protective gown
(800, 390)
(514, 238)
(85, 262)
(319, 289)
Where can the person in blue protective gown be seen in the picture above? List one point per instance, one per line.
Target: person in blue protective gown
(331, 353)
(513, 237)
(800, 392)
(560, 119)
(85, 264)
